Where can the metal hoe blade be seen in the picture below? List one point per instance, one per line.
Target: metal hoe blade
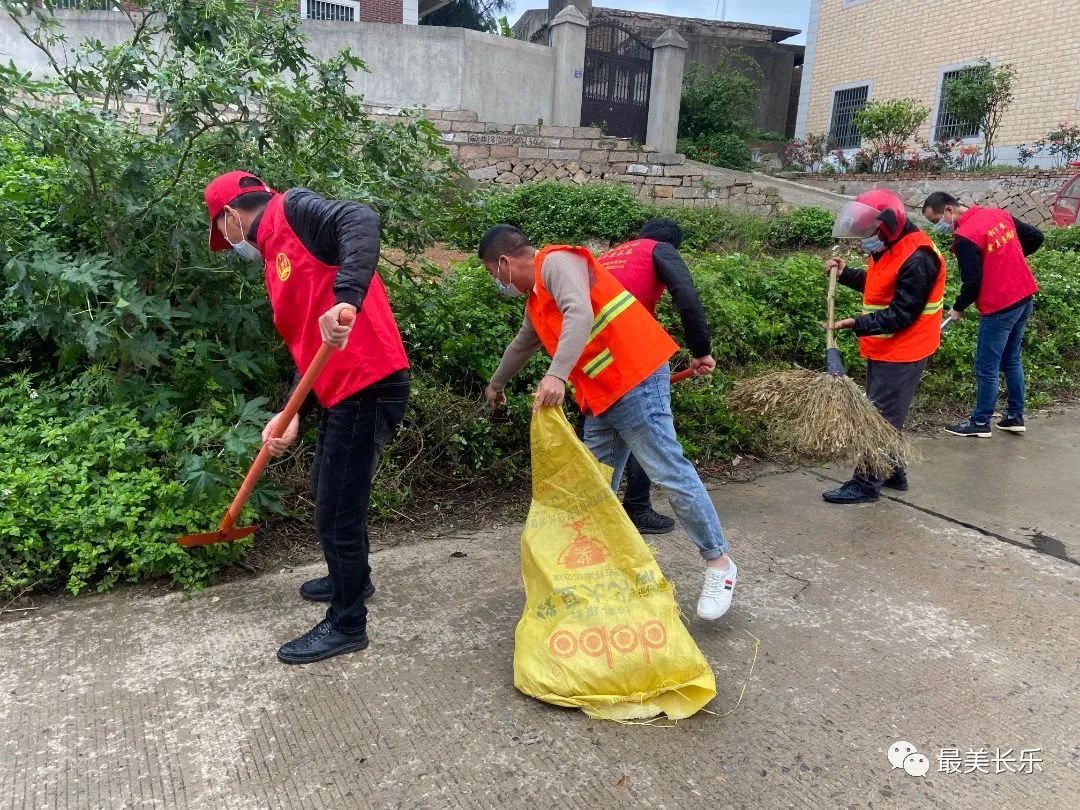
(209, 538)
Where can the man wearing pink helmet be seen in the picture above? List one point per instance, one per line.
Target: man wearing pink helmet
(903, 287)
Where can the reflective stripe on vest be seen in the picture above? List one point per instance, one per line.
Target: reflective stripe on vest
(922, 338)
(618, 305)
(626, 344)
(593, 368)
(930, 309)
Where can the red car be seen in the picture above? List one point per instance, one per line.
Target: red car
(1066, 208)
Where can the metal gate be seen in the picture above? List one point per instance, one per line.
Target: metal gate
(618, 70)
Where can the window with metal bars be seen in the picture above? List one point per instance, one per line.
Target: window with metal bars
(332, 12)
(846, 103)
(948, 127)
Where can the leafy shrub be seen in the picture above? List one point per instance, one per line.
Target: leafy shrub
(550, 213)
(718, 149)
(801, 227)
(719, 100)
(30, 186)
(100, 492)
(618, 216)
(981, 93)
(716, 227)
(109, 293)
(1062, 239)
(888, 126)
(808, 154)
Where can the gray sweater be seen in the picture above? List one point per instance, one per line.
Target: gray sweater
(567, 277)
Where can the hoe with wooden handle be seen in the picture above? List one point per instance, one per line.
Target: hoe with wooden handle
(227, 531)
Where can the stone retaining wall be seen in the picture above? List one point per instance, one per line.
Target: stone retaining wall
(1026, 195)
(511, 154)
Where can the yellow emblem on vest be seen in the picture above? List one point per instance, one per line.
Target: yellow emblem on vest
(284, 267)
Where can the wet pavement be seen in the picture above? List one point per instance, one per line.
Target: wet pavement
(945, 617)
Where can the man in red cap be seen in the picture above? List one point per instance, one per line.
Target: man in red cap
(903, 288)
(320, 258)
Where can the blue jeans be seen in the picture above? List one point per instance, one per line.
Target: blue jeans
(641, 423)
(1000, 337)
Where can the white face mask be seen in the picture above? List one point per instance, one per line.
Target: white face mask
(509, 290)
(243, 248)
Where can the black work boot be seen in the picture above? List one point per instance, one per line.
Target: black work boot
(851, 492)
(319, 643)
(319, 590)
(897, 481)
(649, 521)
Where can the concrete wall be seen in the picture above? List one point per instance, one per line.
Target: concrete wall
(900, 48)
(1027, 195)
(706, 42)
(499, 78)
(777, 65)
(502, 79)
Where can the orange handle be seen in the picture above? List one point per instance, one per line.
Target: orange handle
(292, 407)
(682, 375)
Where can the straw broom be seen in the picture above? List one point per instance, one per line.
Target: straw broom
(823, 416)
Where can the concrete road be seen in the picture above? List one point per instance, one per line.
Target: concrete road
(946, 618)
(791, 193)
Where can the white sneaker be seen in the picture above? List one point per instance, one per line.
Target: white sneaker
(717, 591)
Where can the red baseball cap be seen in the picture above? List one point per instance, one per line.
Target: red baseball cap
(222, 191)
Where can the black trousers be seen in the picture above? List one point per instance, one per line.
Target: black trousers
(637, 497)
(891, 387)
(351, 438)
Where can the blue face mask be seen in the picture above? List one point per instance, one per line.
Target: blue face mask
(941, 226)
(244, 248)
(873, 245)
(509, 290)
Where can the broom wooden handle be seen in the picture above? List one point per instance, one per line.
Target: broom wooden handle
(830, 309)
(292, 407)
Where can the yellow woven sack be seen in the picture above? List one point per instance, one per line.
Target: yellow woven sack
(601, 630)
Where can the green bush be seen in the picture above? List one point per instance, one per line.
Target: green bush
(716, 227)
(719, 100)
(550, 213)
(95, 493)
(30, 186)
(718, 149)
(1062, 238)
(801, 227)
(109, 295)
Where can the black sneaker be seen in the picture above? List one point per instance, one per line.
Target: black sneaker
(897, 481)
(1012, 424)
(319, 590)
(649, 521)
(851, 492)
(970, 429)
(319, 643)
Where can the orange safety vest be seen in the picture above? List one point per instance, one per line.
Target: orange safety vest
(626, 344)
(922, 338)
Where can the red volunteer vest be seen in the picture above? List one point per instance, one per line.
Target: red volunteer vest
(1007, 277)
(632, 266)
(301, 290)
(626, 344)
(923, 337)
